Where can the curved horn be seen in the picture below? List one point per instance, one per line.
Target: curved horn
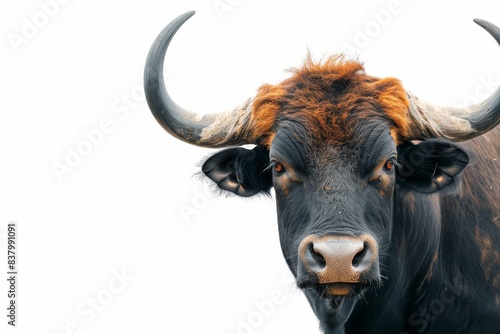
(207, 130)
(457, 124)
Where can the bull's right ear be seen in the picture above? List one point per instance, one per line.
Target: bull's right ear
(240, 171)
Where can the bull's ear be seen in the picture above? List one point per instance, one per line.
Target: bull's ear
(431, 165)
(239, 170)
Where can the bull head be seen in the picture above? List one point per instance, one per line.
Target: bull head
(335, 144)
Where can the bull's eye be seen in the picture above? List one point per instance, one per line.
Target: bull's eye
(279, 168)
(389, 165)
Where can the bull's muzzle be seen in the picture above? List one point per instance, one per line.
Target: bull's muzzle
(340, 262)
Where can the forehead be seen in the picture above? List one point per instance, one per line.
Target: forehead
(369, 140)
(329, 100)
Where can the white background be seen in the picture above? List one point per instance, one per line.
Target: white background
(120, 209)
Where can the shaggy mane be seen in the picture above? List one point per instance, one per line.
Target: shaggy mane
(329, 98)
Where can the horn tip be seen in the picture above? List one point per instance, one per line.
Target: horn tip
(479, 21)
(492, 29)
(484, 24)
(186, 16)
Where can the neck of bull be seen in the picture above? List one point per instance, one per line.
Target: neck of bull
(415, 236)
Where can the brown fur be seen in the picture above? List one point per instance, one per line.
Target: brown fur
(329, 98)
(490, 257)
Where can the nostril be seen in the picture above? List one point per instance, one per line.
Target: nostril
(359, 257)
(317, 257)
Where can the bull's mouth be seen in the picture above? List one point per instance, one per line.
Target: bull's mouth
(334, 295)
(337, 289)
(342, 289)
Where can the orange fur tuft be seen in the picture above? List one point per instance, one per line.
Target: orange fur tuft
(330, 98)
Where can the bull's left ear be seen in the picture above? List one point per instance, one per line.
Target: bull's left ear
(240, 171)
(430, 165)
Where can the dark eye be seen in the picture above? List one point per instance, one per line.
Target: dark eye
(389, 165)
(279, 168)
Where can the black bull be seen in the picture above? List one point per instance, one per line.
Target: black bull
(388, 225)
